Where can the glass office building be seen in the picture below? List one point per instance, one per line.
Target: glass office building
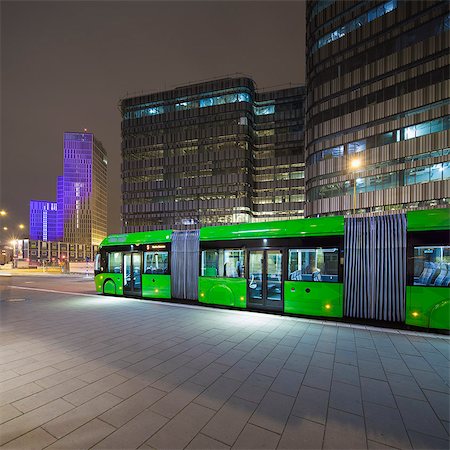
(377, 116)
(84, 189)
(43, 220)
(210, 153)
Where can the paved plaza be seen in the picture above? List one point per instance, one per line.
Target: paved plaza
(83, 371)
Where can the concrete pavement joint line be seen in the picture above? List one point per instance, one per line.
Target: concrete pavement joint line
(252, 314)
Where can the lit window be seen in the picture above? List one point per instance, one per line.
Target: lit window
(355, 24)
(264, 110)
(316, 264)
(223, 263)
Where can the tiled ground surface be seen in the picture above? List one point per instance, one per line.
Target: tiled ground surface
(82, 371)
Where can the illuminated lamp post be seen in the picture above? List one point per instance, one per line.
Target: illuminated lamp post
(355, 164)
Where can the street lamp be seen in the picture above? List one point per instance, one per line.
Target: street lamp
(2, 212)
(21, 226)
(5, 228)
(355, 164)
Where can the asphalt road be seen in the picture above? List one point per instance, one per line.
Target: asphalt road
(67, 283)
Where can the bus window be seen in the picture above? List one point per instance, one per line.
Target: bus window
(156, 262)
(432, 266)
(115, 262)
(97, 263)
(223, 263)
(317, 264)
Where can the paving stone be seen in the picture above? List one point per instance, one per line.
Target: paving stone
(85, 436)
(202, 442)
(318, 377)
(241, 370)
(25, 379)
(405, 386)
(287, 382)
(325, 360)
(346, 397)
(102, 372)
(218, 393)
(385, 425)
(311, 404)
(134, 385)
(66, 423)
(422, 441)
(177, 433)
(417, 362)
(345, 373)
(304, 349)
(8, 412)
(419, 416)
(48, 395)
(344, 431)
(34, 440)
(326, 347)
(209, 374)
(270, 367)
(179, 398)
(346, 357)
(395, 365)
(372, 445)
(33, 419)
(229, 421)
(301, 434)
(256, 438)
(273, 412)
(231, 357)
(123, 412)
(370, 369)
(174, 379)
(377, 391)
(135, 432)
(440, 402)
(430, 380)
(94, 389)
(254, 388)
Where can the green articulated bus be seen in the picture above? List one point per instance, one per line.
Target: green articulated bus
(307, 267)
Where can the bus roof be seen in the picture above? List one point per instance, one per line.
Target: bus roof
(144, 237)
(429, 219)
(321, 226)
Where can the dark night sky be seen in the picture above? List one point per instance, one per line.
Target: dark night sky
(65, 66)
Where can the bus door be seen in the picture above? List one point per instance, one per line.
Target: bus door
(265, 279)
(132, 279)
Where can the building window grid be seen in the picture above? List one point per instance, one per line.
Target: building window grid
(401, 134)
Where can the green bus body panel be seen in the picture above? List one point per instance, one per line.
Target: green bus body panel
(324, 299)
(428, 307)
(430, 219)
(144, 237)
(223, 291)
(155, 286)
(323, 226)
(109, 283)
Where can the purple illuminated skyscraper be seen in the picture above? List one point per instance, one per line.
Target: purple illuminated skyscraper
(60, 213)
(84, 191)
(43, 220)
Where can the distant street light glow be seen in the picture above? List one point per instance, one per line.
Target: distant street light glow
(21, 226)
(2, 212)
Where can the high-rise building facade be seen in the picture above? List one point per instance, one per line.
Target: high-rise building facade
(377, 116)
(60, 203)
(43, 220)
(84, 189)
(212, 153)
